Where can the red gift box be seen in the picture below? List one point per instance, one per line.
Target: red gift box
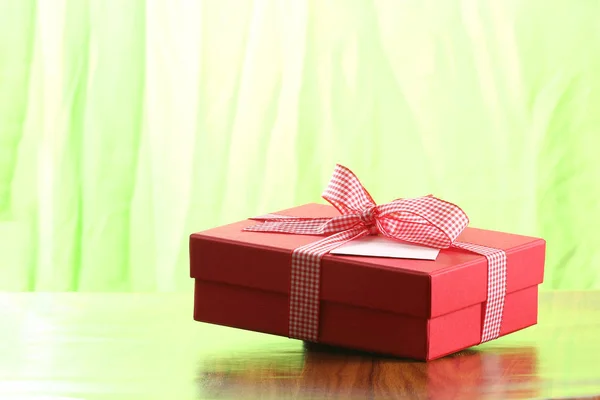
(408, 308)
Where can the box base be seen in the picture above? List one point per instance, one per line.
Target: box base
(360, 328)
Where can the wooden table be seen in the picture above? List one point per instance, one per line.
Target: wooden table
(146, 346)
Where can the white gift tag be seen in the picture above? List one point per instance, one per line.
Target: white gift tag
(380, 246)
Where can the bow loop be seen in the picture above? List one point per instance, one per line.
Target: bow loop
(346, 193)
(428, 221)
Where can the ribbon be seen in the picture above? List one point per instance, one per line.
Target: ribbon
(426, 221)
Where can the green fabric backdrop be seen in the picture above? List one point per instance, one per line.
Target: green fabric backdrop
(127, 125)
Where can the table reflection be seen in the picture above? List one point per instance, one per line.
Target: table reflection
(504, 373)
(321, 370)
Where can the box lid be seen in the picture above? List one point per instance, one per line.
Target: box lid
(419, 288)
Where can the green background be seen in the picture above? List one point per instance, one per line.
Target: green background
(127, 125)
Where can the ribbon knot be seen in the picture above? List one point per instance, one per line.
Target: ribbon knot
(368, 219)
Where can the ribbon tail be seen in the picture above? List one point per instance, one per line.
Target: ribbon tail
(285, 224)
(496, 288)
(269, 217)
(305, 283)
(305, 226)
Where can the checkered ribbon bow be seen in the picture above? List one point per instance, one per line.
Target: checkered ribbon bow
(426, 221)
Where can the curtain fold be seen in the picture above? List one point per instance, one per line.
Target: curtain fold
(126, 126)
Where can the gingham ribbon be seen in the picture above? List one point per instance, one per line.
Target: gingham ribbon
(426, 221)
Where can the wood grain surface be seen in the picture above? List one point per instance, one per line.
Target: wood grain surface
(146, 346)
